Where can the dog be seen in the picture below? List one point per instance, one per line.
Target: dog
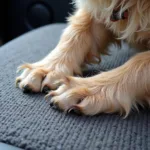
(95, 25)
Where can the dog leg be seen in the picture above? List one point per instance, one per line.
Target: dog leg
(118, 90)
(75, 46)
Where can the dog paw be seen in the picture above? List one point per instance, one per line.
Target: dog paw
(90, 96)
(39, 79)
(76, 96)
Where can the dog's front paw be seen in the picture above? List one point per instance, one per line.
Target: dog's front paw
(38, 79)
(69, 97)
(90, 96)
(78, 95)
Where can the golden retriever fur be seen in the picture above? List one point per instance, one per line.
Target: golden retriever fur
(88, 35)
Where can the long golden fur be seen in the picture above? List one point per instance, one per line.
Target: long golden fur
(88, 35)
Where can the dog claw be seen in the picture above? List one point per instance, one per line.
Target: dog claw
(46, 89)
(17, 82)
(51, 104)
(74, 110)
(26, 89)
(54, 105)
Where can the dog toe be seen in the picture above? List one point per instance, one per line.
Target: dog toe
(45, 89)
(74, 110)
(27, 89)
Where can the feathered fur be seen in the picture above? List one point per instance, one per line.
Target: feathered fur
(88, 35)
(135, 29)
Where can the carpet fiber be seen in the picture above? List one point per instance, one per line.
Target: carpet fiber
(27, 121)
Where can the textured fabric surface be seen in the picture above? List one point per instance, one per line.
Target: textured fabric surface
(28, 122)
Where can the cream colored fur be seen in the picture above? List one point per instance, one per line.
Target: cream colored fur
(88, 35)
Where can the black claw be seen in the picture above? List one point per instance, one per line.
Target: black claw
(54, 105)
(74, 110)
(51, 104)
(26, 89)
(46, 89)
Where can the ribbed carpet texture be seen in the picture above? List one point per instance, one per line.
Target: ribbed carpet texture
(28, 122)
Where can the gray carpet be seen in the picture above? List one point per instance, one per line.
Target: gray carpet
(27, 121)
